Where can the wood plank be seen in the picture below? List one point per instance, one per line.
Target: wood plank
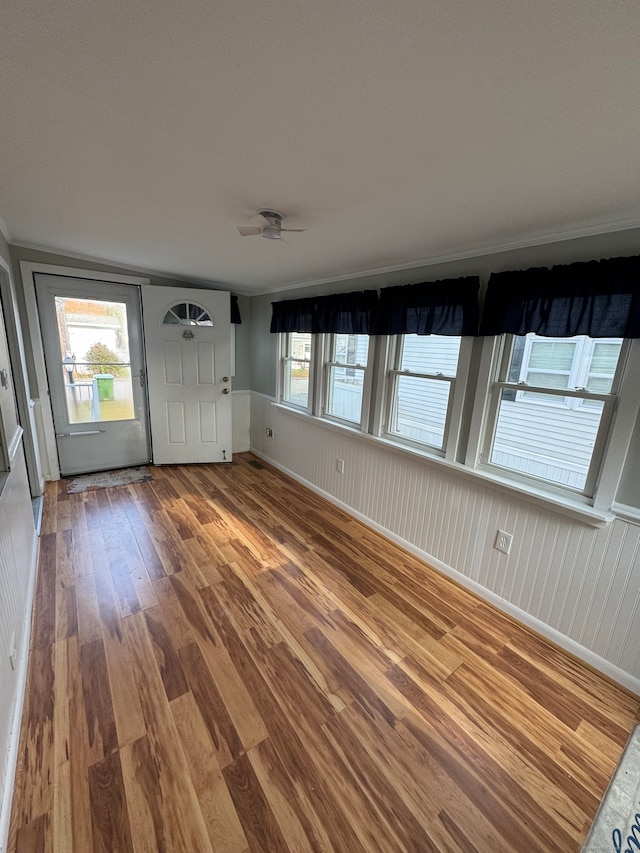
(124, 696)
(256, 816)
(223, 825)
(109, 811)
(101, 724)
(35, 835)
(174, 802)
(213, 710)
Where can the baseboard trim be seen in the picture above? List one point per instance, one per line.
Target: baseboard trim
(605, 667)
(18, 707)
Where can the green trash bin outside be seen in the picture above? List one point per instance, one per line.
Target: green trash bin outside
(104, 381)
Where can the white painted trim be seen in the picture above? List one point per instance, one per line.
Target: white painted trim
(605, 667)
(626, 512)
(31, 267)
(620, 432)
(559, 237)
(27, 271)
(20, 379)
(174, 278)
(11, 758)
(14, 444)
(4, 230)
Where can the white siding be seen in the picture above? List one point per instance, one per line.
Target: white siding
(580, 581)
(550, 441)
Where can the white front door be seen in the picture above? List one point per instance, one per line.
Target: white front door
(92, 338)
(187, 339)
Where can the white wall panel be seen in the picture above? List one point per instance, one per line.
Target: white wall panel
(17, 570)
(240, 408)
(581, 582)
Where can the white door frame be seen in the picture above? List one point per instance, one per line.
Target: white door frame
(20, 379)
(49, 452)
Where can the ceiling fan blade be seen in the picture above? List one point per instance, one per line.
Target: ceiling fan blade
(248, 231)
(298, 230)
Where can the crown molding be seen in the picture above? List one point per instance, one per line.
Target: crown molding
(526, 243)
(116, 265)
(4, 230)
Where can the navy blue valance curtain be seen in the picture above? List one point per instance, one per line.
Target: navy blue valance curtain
(349, 313)
(596, 298)
(447, 307)
(235, 310)
(293, 315)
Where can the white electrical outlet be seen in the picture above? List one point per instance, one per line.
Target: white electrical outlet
(340, 466)
(503, 541)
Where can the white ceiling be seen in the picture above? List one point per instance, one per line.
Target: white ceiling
(394, 131)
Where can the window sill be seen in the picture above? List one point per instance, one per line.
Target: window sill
(556, 503)
(626, 512)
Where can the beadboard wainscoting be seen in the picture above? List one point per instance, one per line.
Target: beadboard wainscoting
(240, 408)
(18, 546)
(575, 583)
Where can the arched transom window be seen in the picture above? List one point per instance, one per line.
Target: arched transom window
(187, 314)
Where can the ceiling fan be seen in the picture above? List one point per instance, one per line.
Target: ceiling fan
(271, 228)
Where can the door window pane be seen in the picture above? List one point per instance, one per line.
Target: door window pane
(95, 361)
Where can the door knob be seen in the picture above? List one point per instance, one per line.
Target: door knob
(225, 390)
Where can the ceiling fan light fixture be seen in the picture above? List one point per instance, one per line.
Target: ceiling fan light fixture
(271, 229)
(272, 232)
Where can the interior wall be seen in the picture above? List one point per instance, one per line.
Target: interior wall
(242, 378)
(577, 583)
(17, 571)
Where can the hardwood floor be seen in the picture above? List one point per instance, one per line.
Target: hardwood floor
(222, 661)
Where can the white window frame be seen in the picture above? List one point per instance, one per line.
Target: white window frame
(457, 383)
(285, 360)
(327, 345)
(497, 363)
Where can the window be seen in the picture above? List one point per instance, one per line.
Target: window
(420, 392)
(187, 314)
(296, 369)
(346, 377)
(551, 407)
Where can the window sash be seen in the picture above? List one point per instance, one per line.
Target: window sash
(569, 398)
(453, 410)
(391, 426)
(287, 361)
(329, 346)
